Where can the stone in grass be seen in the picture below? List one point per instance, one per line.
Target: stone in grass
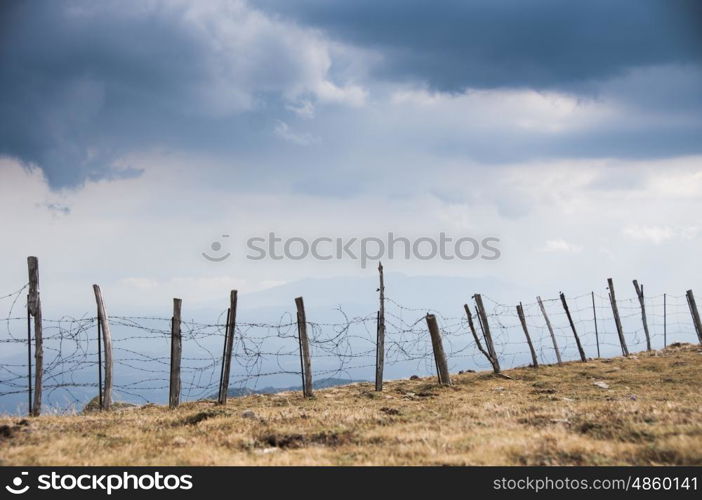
(94, 405)
(179, 441)
(601, 385)
(249, 414)
(414, 377)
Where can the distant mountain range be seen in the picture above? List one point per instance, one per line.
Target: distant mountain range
(236, 392)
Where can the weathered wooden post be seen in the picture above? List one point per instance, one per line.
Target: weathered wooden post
(176, 352)
(471, 325)
(107, 343)
(550, 330)
(306, 363)
(438, 348)
(695, 314)
(617, 320)
(640, 295)
(29, 360)
(34, 309)
(224, 356)
(228, 347)
(594, 319)
(665, 320)
(522, 320)
(380, 341)
(99, 353)
(482, 318)
(572, 327)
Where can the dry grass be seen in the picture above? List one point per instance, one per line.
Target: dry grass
(650, 414)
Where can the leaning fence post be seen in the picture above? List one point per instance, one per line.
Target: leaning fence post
(617, 321)
(695, 314)
(34, 308)
(224, 356)
(550, 329)
(228, 346)
(482, 317)
(471, 325)
(304, 348)
(438, 348)
(594, 319)
(522, 320)
(640, 295)
(572, 327)
(176, 350)
(107, 342)
(380, 342)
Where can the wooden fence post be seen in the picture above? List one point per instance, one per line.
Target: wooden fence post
(34, 307)
(617, 320)
(99, 353)
(522, 320)
(29, 360)
(230, 329)
(304, 349)
(550, 330)
(665, 320)
(640, 295)
(107, 343)
(594, 319)
(471, 325)
(482, 318)
(224, 356)
(438, 348)
(380, 341)
(176, 351)
(695, 314)
(572, 327)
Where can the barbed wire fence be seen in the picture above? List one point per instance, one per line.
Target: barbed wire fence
(268, 353)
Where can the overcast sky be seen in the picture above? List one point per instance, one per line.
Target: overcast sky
(134, 134)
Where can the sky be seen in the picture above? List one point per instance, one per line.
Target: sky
(136, 134)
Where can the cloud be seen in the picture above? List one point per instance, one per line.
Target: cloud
(544, 44)
(304, 109)
(105, 80)
(395, 90)
(283, 131)
(57, 208)
(660, 234)
(561, 246)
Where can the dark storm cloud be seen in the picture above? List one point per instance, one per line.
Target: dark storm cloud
(548, 44)
(83, 84)
(72, 91)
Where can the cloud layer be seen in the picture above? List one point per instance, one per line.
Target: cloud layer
(544, 44)
(321, 97)
(84, 84)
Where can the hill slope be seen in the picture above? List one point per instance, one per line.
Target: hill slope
(647, 411)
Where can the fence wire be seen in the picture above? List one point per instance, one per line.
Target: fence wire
(266, 354)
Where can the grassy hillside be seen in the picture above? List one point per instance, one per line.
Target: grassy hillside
(648, 410)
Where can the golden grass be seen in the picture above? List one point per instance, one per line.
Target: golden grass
(650, 414)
